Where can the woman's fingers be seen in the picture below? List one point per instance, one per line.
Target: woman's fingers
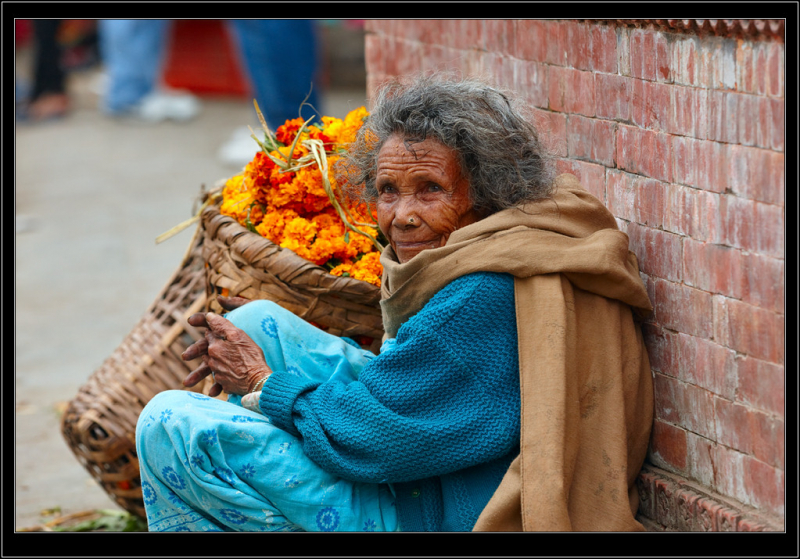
(231, 303)
(220, 326)
(215, 390)
(198, 319)
(197, 349)
(197, 375)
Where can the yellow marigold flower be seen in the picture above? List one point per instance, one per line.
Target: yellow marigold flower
(300, 229)
(342, 269)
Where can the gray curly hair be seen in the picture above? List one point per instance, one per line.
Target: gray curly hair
(499, 149)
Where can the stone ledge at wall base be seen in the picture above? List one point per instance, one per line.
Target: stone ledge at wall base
(671, 503)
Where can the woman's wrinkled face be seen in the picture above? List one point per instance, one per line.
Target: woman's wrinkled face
(422, 195)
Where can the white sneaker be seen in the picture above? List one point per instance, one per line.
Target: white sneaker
(161, 105)
(240, 149)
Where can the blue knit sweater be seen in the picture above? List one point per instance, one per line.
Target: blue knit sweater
(436, 414)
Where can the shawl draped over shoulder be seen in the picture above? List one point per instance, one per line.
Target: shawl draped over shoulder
(586, 385)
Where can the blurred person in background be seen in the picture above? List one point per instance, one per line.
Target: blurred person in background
(59, 46)
(133, 52)
(281, 61)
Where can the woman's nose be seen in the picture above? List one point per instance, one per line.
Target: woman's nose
(406, 215)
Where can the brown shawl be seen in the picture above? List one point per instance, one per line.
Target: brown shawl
(585, 379)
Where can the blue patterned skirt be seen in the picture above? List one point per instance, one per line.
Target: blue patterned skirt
(210, 465)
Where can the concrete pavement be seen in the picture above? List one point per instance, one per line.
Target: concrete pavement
(91, 196)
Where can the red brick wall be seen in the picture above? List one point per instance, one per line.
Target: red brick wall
(682, 136)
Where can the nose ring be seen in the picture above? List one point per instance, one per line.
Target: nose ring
(411, 221)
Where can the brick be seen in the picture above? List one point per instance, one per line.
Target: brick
(720, 56)
(777, 125)
(763, 281)
(663, 349)
(644, 152)
(684, 405)
(591, 139)
(689, 111)
(747, 329)
(663, 58)
(651, 201)
(645, 484)
(622, 189)
(578, 40)
(761, 385)
(707, 365)
(571, 91)
(613, 96)
(530, 80)
(683, 308)
(751, 226)
(499, 69)
(650, 105)
(723, 116)
(757, 174)
(700, 458)
(442, 59)
(768, 439)
(409, 57)
(555, 41)
(643, 54)
(374, 53)
(729, 472)
(745, 76)
(760, 121)
(604, 49)
(659, 253)
(750, 525)
(706, 513)
(686, 511)
(500, 35)
(695, 213)
(473, 62)
(775, 69)
(713, 268)
(380, 26)
(701, 163)
(688, 67)
(764, 485)
(727, 519)
(668, 446)
(733, 423)
(650, 56)
(531, 40)
(552, 129)
(760, 69)
(591, 176)
(664, 503)
(624, 50)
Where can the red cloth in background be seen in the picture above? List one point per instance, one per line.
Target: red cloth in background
(202, 58)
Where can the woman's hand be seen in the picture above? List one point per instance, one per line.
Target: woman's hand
(236, 361)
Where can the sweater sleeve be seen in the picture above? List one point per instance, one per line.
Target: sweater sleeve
(445, 397)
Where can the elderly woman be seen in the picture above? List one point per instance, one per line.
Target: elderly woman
(512, 390)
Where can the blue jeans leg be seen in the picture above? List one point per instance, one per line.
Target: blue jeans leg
(281, 60)
(132, 52)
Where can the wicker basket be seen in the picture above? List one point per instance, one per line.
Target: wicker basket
(99, 424)
(248, 265)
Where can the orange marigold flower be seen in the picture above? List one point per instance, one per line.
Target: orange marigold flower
(287, 132)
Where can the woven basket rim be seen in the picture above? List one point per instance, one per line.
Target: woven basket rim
(326, 281)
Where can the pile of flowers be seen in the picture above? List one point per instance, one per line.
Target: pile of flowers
(289, 195)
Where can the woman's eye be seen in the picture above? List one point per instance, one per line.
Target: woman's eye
(433, 187)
